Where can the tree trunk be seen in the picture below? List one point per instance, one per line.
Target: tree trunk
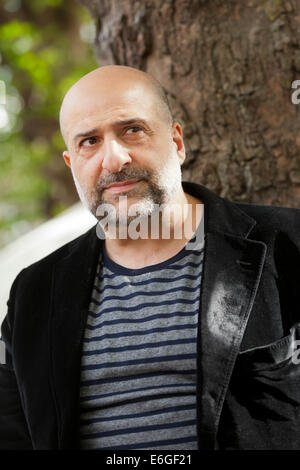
(227, 67)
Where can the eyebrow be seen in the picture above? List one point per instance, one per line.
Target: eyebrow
(124, 122)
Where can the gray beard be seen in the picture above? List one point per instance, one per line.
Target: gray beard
(147, 200)
(146, 197)
(151, 195)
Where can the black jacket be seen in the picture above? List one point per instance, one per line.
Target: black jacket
(248, 382)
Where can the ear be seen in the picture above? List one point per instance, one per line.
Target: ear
(67, 158)
(177, 136)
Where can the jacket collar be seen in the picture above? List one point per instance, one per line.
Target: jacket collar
(221, 215)
(231, 272)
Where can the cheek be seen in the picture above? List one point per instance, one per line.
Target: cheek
(165, 153)
(152, 156)
(86, 171)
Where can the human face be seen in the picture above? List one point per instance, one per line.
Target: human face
(121, 137)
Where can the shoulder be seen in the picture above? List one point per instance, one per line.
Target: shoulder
(42, 269)
(276, 217)
(278, 227)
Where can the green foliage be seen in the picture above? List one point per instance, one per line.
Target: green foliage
(42, 55)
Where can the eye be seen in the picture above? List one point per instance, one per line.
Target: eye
(88, 142)
(133, 129)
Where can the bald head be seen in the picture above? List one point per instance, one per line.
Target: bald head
(98, 86)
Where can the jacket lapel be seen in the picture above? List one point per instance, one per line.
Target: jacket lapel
(232, 269)
(72, 284)
(230, 282)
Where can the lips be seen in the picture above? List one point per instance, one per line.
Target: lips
(123, 185)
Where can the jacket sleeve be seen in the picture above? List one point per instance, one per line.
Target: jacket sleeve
(14, 433)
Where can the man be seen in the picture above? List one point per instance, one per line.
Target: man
(125, 342)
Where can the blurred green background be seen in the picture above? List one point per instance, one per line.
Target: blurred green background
(45, 47)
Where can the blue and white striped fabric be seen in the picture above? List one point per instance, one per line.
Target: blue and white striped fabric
(138, 368)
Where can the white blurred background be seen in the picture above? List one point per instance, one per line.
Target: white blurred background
(38, 243)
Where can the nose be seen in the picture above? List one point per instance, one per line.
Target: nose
(115, 156)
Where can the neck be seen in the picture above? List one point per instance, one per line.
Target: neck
(162, 235)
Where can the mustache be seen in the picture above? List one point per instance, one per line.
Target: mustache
(123, 175)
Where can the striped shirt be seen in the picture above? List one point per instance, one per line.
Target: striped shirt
(138, 367)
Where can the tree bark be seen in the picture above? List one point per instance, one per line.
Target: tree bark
(227, 67)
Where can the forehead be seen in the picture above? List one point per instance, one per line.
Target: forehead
(102, 105)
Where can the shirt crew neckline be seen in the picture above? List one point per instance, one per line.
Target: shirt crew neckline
(119, 269)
